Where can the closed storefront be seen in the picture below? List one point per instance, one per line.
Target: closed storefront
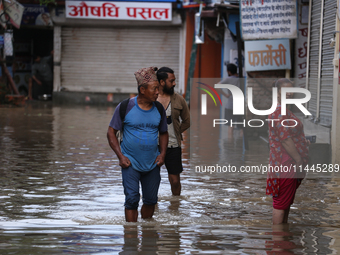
(104, 59)
(99, 45)
(321, 54)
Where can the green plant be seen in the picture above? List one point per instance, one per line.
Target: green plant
(47, 2)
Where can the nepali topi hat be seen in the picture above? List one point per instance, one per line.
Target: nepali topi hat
(146, 75)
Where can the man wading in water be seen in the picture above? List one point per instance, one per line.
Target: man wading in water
(138, 155)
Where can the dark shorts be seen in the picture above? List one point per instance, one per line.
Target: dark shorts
(149, 181)
(173, 160)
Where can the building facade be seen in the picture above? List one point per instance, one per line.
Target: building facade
(100, 54)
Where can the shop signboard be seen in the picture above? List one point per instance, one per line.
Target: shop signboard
(267, 55)
(118, 10)
(36, 15)
(14, 10)
(268, 19)
(2, 16)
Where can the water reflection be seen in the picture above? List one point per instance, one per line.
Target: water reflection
(165, 239)
(150, 240)
(61, 192)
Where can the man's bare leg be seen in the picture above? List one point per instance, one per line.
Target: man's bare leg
(147, 211)
(175, 183)
(131, 215)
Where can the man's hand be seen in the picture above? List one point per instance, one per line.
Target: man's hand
(160, 160)
(124, 162)
(163, 144)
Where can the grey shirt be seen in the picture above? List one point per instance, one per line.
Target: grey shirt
(43, 69)
(171, 131)
(233, 80)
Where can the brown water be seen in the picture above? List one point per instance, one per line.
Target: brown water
(61, 192)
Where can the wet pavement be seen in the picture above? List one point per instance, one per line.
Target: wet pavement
(61, 192)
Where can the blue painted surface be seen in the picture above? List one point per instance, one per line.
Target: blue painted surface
(233, 18)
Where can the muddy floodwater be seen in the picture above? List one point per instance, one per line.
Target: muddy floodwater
(61, 192)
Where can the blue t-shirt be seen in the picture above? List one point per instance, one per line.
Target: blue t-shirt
(140, 134)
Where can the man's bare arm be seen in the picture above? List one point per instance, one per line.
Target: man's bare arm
(124, 162)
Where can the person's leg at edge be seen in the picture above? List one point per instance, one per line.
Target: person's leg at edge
(131, 190)
(150, 184)
(175, 183)
(280, 216)
(285, 218)
(282, 203)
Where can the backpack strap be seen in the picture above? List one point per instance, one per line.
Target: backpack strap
(160, 109)
(122, 110)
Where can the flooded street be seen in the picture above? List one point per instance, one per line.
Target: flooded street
(61, 192)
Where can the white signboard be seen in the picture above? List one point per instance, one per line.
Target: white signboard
(268, 19)
(267, 55)
(119, 10)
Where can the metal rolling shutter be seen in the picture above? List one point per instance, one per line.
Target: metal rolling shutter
(314, 54)
(105, 59)
(327, 68)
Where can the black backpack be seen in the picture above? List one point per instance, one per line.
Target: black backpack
(122, 113)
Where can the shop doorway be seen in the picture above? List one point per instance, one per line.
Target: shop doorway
(29, 42)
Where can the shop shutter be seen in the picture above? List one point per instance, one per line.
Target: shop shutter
(105, 59)
(327, 69)
(314, 54)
